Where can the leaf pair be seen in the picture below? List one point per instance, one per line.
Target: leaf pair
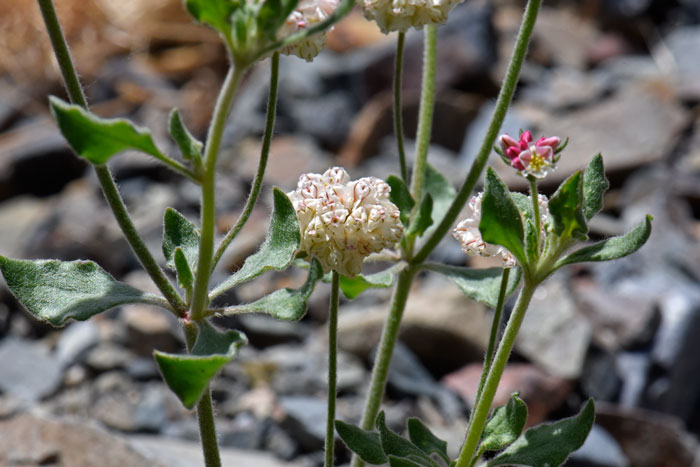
(545, 445)
(506, 219)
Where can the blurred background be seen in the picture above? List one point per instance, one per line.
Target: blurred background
(620, 77)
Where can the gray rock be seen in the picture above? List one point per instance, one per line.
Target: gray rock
(150, 329)
(244, 432)
(327, 118)
(599, 378)
(75, 340)
(553, 334)
(264, 331)
(305, 420)
(682, 43)
(633, 368)
(107, 356)
(599, 450)
(565, 88)
(27, 370)
(135, 408)
(142, 369)
(279, 443)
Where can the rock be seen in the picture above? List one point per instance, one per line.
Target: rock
(244, 432)
(264, 331)
(326, 117)
(178, 453)
(599, 378)
(407, 376)
(32, 441)
(599, 450)
(279, 443)
(107, 356)
(633, 368)
(648, 439)
(453, 332)
(543, 393)
(142, 369)
(562, 37)
(19, 216)
(75, 341)
(566, 88)
(305, 420)
(553, 334)
(150, 329)
(27, 370)
(682, 44)
(261, 402)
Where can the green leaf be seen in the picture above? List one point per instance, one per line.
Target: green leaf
(97, 139)
(379, 280)
(549, 444)
(190, 146)
(500, 219)
(423, 218)
(403, 462)
(365, 444)
(188, 375)
(505, 425)
(401, 197)
(185, 277)
(395, 445)
(482, 285)
(272, 15)
(215, 13)
(442, 192)
(612, 248)
(179, 232)
(594, 187)
(278, 249)
(287, 304)
(524, 205)
(421, 436)
(56, 291)
(566, 208)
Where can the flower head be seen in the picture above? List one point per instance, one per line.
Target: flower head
(467, 232)
(400, 15)
(530, 158)
(306, 14)
(343, 221)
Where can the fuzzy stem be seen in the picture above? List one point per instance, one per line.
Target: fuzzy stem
(482, 408)
(264, 154)
(502, 103)
(493, 338)
(380, 371)
(111, 192)
(205, 410)
(332, 367)
(425, 113)
(208, 213)
(536, 212)
(398, 108)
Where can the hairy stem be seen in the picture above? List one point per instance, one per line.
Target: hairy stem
(262, 165)
(425, 113)
(205, 410)
(380, 371)
(502, 103)
(481, 410)
(111, 192)
(332, 367)
(535, 212)
(208, 212)
(398, 108)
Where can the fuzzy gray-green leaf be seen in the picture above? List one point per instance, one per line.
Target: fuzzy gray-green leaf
(423, 218)
(612, 248)
(482, 285)
(443, 194)
(549, 444)
(179, 232)
(566, 208)
(352, 287)
(421, 437)
(401, 197)
(185, 277)
(97, 139)
(505, 425)
(365, 444)
(278, 249)
(594, 186)
(395, 445)
(190, 146)
(56, 291)
(500, 219)
(215, 13)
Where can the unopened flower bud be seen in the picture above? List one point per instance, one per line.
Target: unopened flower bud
(530, 158)
(344, 221)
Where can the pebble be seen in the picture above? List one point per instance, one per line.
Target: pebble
(27, 370)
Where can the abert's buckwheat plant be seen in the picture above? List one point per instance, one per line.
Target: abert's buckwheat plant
(335, 224)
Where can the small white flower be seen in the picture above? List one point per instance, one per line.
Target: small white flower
(468, 235)
(400, 15)
(344, 221)
(306, 14)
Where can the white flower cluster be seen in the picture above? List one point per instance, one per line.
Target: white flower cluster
(399, 15)
(468, 235)
(307, 13)
(344, 221)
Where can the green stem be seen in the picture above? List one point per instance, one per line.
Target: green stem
(380, 371)
(264, 154)
(398, 108)
(536, 213)
(205, 411)
(332, 367)
(493, 338)
(482, 408)
(111, 192)
(425, 113)
(502, 103)
(208, 213)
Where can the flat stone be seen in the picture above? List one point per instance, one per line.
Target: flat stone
(599, 450)
(75, 340)
(18, 216)
(150, 329)
(27, 370)
(553, 334)
(682, 43)
(305, 420)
